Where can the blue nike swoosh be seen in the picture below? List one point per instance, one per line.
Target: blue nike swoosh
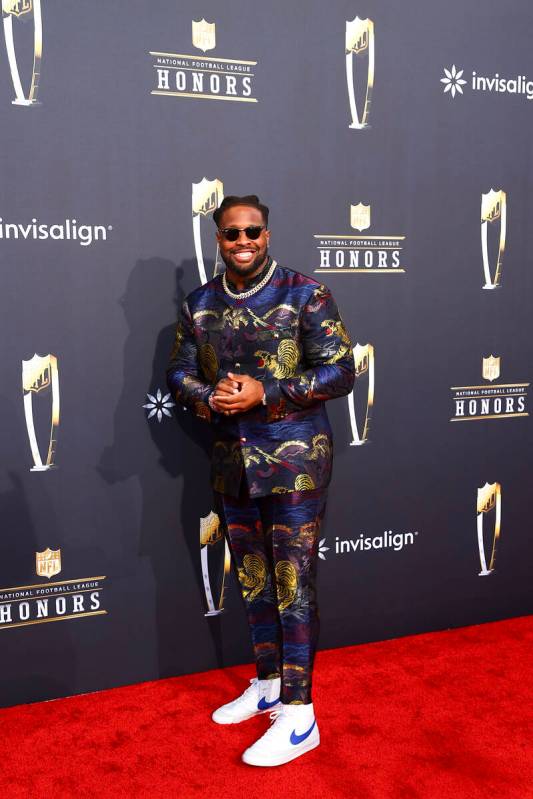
(264, 705)
(297, 739)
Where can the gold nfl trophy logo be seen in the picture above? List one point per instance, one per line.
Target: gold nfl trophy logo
(360, 217)
(39, 375)
(491, 368)
(203, 35)
(210, 536)
(48, 562)
(364, 372)
(493, 214)
(360, 48)
(21, 10)
(489, 503)
(206, 197)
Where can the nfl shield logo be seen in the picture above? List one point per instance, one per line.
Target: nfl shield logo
(491, 368)
(17, 7)
(360, 216)
(210, 530)
(48, 562)
(491, 205)
(203, 35)
(358, 32)
(486, 497)
(361, 354)
(37, 373)
(207, 196)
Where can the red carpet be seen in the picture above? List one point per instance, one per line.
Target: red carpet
(443, 715)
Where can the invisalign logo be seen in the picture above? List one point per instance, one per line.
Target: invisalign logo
(453, 82)
(69, 230)
(388, 540)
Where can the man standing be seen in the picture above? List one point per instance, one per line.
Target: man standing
(258, 351)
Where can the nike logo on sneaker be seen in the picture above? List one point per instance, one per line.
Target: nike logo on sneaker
(264, 705)
(297, 739)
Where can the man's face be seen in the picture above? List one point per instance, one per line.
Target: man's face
(244, 256)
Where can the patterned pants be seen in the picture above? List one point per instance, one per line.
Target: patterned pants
(274, 543)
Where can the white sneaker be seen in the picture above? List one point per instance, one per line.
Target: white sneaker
(260, 697)
(293, 732)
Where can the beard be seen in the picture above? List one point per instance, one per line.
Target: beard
(245, 270)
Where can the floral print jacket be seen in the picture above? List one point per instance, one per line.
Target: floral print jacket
(290, 336)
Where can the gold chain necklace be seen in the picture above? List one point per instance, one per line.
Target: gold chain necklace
(243, 294)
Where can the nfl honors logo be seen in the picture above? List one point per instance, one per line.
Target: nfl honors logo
(203, 77)
(349, 254)
(495, 401)
(43, 602)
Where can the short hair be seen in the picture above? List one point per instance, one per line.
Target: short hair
(249, 199)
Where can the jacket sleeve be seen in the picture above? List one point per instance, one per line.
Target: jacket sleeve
(183, 379)
(328, 352)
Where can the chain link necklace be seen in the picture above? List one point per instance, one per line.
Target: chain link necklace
(242, 294)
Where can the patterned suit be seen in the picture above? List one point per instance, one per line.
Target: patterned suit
(270, 465)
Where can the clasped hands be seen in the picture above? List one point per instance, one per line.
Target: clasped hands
(228, 399)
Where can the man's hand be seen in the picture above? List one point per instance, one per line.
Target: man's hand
(237, 393)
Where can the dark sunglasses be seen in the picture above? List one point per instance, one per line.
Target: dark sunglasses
(232, 233)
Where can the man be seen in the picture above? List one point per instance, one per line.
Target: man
(258, 351)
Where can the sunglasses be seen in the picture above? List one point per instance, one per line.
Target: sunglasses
(232, 233)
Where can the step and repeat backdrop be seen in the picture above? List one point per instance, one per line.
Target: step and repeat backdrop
(393, 144)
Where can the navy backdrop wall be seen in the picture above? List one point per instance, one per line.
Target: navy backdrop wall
(394, 148)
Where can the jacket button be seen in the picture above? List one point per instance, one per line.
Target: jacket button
(243, 439)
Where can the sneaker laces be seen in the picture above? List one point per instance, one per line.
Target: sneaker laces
(278, 717)
(252, 689)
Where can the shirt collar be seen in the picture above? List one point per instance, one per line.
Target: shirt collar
(253, 281)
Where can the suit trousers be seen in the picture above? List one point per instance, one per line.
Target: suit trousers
(274, 545)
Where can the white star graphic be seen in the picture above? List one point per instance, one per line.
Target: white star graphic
(453, 80)
(159, 405)
(322, 549)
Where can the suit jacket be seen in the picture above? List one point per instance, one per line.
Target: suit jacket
(290, 336)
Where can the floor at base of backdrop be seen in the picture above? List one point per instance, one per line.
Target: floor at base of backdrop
(444, 715)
